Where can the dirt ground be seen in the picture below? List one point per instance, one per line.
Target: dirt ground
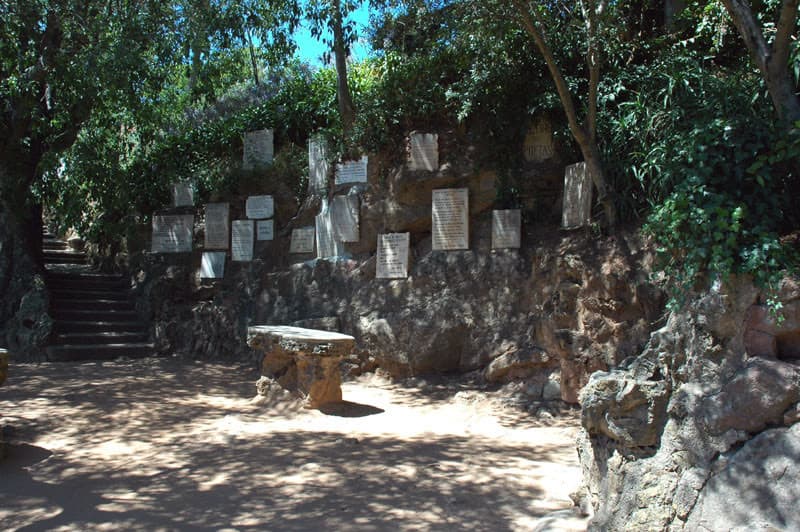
(162, 444)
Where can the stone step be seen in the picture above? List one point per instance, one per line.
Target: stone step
(83, 282)
(65, 294)
(93, 338)
(90, 303)
(69, 353)
(64, 257)
(76, 326)
(52, 244)
(94, 315)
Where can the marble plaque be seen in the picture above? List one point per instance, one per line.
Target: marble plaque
(539, 142)
(260, 207)
(302, 240)
(423, 152)
(392, 259)
(242, 238)
(217, 227)
(577, 206)
(450, 225)
(318, 165)
(344, 212)
(506, 229)
(183, 194)
(265, 230)
(172, 233)
(327, 245)
(212, 265)
(352, 171)
(258, 149)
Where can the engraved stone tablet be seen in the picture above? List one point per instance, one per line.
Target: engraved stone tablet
(302, 240)
(258, 149)
(242, 237)
(352, 171)
(344, 214)
(450, 225)
(212, 265)
(318, 165)
(506, 229)
(183, 194)
(172, 233)
(539, 142)
(260, 207)
(392, 259)
(327, 245)
(577, 207)
(265, 230)
(424, 152)
(217, 226)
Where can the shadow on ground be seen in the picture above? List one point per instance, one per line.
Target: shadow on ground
(159, 445)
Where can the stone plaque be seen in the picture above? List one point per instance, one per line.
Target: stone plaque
(344, 213)
(450, 226)
(539, 142)
(258, 149)
(327, 245)
(265, 230)
(318, 165)
(242, 238)
(212, 265)
(260, 207)
(217, 226)
(506, 229)
(423, 152)
(302, 240)
(183, 194)
(172, 233)
(577, 206)
(352, 171)
(392, 259)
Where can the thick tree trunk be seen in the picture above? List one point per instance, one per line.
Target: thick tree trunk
(772, 60)
(347, 110)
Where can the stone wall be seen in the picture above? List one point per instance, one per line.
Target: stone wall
(563, 305)
(700, 431)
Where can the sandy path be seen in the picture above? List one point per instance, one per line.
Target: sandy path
(164, 445)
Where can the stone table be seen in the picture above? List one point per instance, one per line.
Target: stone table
(303, 361)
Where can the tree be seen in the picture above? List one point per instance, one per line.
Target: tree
(584, 132)
(771, 59)
(333, 17)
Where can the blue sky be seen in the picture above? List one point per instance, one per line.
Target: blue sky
(310, 49)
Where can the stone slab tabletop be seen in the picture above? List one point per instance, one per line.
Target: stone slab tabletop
(299, 334)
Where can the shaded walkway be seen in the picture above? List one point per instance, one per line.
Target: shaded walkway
(158, 445)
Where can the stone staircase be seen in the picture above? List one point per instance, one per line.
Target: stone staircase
(94, 315)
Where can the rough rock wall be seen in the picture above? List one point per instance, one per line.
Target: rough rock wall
(564, 305)
(700, 431)
(570, 305)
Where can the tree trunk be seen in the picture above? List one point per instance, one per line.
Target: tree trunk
(253, 61)
(347, 110)
(584, 136)
(772, 60)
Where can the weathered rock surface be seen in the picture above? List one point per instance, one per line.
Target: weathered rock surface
(753, 488)
(685, 432)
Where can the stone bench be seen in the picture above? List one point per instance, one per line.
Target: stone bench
(303, 361)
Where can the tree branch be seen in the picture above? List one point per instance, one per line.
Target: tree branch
(785, 28)
(533, 28)
(745, 22)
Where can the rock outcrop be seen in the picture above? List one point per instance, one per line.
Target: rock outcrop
(700, 431)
